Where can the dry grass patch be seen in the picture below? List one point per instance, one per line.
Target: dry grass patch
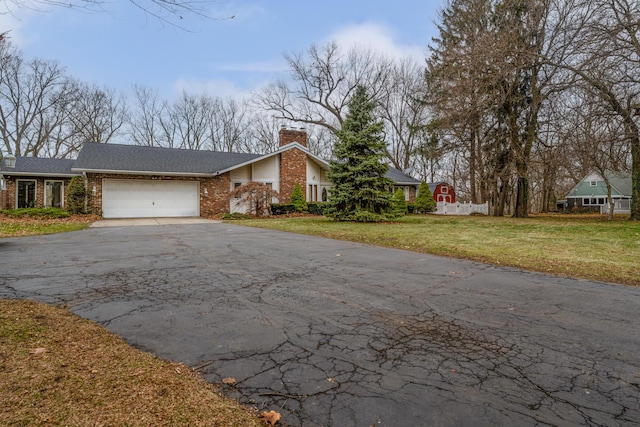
(31, 226)
(59, 369)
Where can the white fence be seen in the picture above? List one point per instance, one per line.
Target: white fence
(445, 208)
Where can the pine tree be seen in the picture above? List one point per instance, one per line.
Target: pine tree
(400, 206)
(360, 189)
(424, 200)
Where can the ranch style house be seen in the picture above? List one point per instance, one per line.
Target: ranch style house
(129, 181)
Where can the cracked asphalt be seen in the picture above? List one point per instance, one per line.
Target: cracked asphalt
(334, 333)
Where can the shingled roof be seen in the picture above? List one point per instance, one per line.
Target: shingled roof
(116, 158)
(399, 177)
(35, 166)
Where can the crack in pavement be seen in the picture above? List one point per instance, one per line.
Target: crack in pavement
(371, 337)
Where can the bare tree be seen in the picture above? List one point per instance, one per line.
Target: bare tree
(33, 101)
(171, 12)
(144, 120)
(228, 128)
(607, 60)
(256, 197)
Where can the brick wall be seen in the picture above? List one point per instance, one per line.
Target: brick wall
(9, 195)
(293, 170)
(293, 163)
(216, 201)
(287, 136)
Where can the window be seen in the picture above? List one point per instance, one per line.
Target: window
(444, 189)
(313, 193)
(54, 194)
(593, 201)
(26, 194)
(593, 183)
(236, 185)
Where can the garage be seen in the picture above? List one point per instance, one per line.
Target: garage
(149, 198)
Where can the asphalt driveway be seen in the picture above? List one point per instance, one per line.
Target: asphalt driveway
(343, 334)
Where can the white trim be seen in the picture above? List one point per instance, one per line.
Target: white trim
(282, 149)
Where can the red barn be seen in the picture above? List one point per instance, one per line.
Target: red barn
(442, 192)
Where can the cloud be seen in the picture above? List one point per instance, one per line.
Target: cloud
(216, 88)
(16, 23)
(377, 37)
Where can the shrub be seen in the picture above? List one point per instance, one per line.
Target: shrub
(278, 209)
(47, 213)
(317, 208)
(366, 216)
(297, 199)
(76, 195)
(237, 215)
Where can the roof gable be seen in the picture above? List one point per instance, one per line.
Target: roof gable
(620, 185)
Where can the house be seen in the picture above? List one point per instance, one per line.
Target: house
(442, 192)
(590, 194)
(128, 181)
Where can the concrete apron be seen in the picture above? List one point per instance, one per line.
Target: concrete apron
(131, 222)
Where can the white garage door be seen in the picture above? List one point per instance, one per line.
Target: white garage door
(146, 199)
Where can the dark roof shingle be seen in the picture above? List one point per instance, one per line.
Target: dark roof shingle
(134, 158)
(40, 167)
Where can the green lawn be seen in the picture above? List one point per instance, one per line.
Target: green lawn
(576, 246)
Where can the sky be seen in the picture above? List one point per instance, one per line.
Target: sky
(122, 46)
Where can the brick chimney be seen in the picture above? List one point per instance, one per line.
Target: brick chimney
(293, 163)
(288, 136)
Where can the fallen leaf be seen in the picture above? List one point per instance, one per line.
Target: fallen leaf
(38, 350)
(271, 417)
(229, 381)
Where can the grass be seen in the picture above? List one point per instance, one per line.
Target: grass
(25, 222)
(59, 369)
(582, 246)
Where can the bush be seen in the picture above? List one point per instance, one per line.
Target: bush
(237, 215)
(317, 208)
(411, 208)
(45, 213)
(366, 216)
(297, 199)
(76, 195)
(278, 209)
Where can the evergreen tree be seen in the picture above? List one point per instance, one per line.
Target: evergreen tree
(360, 189)
(297, 199)
(424, 200)
(400, 206)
